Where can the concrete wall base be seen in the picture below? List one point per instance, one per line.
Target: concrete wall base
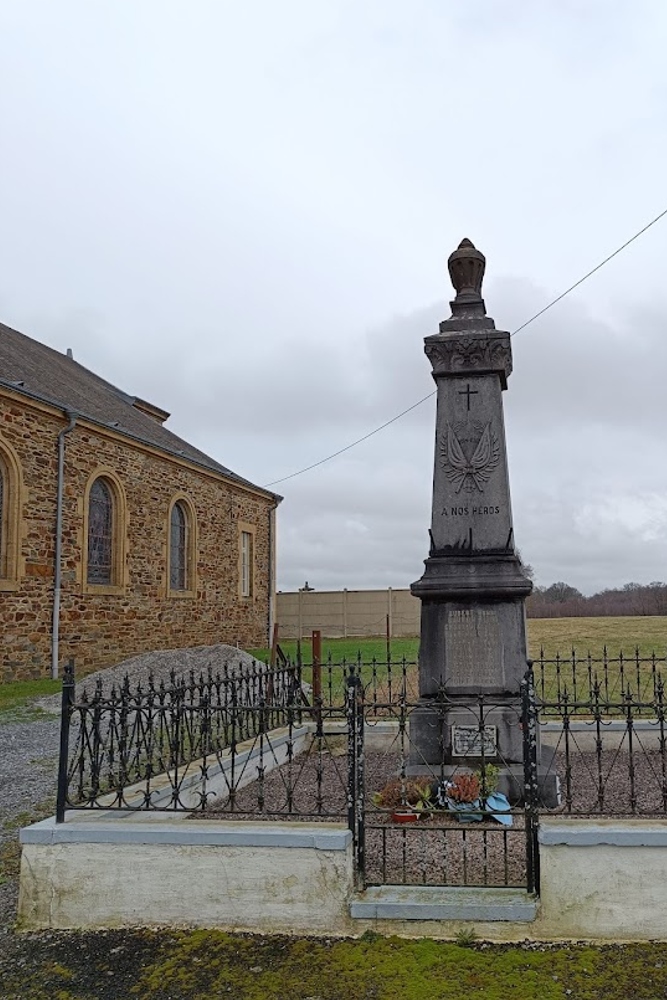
(601, 880)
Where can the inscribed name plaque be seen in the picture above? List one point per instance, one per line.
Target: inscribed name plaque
(473, 649)
(467, 741)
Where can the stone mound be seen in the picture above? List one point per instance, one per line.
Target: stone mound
(159, 664)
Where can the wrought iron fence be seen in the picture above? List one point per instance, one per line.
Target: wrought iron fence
(385, 682)
(610, 752)
(433, 814)
(390, 680)
(184, 744)
(271, 742)
(578, 677)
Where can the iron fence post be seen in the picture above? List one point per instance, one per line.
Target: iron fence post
(63, 759)
(360, 785)
(531, 787)
(355, 776)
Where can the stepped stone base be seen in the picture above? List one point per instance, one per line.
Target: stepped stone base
(421, 902)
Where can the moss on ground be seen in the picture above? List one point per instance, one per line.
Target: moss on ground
(211, 964)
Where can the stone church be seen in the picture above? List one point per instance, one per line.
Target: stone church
(116, 536)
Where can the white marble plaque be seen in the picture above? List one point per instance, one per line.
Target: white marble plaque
(467, 741)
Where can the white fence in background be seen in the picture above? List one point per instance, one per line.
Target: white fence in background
(343, 613)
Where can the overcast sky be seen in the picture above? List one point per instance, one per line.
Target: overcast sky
(242, 211)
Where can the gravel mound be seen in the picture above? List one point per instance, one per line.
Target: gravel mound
(160, 664)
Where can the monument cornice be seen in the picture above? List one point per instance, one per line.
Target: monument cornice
(478, 352)
(484, 575)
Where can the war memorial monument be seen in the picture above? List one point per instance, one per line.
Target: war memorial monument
(473, 590)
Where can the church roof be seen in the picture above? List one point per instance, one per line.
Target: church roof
(40, 372)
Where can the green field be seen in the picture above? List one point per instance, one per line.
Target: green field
(555, 635)
(632, 638)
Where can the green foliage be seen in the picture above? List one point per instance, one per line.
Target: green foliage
(488, 778)
(466, 937)
(400, 792)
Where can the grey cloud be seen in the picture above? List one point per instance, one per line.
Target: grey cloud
(243, 213)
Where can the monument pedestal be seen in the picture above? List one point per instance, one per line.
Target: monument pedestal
(446, 741)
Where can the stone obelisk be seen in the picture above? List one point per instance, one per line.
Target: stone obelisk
(473, 632)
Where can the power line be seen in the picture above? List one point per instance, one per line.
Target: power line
(523, 326)
(354, 443)
(591, 272)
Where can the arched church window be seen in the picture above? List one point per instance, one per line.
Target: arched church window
(10, 517)
(178, 547)
(3, 531)
(100, 533)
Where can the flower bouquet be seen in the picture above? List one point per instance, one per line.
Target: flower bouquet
(473, 796)
(404, 798)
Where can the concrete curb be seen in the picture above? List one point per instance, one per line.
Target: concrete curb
(192, 833)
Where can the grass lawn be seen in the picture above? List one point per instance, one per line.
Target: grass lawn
(15, 698)
(211, 964)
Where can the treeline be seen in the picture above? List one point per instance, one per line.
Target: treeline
(560, 600)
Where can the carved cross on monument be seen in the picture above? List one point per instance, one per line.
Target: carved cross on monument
(468, 392)
(473, 633)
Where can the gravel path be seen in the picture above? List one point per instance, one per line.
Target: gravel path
(28, 766)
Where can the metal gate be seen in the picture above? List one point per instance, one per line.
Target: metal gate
(442, 824)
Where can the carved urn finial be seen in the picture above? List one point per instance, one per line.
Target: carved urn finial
(466, 270)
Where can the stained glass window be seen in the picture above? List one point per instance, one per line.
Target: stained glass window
(2, 521)
(100, 534)
(178, 548)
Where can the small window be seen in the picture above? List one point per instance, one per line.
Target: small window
(246, 563)
(178, 548)
(100, 534)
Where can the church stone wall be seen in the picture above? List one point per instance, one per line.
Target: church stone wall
(102, 628)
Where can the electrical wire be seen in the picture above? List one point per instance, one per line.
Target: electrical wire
(523, 326)
(354, 443)
(590, 273)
